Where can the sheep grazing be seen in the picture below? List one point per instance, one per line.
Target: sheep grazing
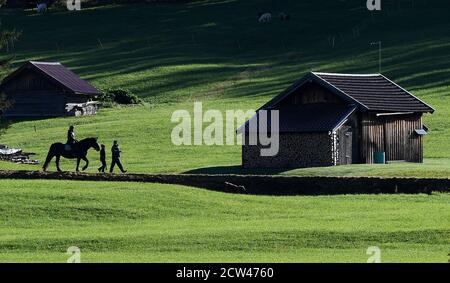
(284, 17)
(41, 7)
(264, 17)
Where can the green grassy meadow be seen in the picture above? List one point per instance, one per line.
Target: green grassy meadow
(132, 222)
(216, 52)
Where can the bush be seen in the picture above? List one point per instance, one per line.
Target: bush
(4, 103)
(119, 96)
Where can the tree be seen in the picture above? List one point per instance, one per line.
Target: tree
(7, 39)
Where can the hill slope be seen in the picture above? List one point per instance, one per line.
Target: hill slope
(216, 52)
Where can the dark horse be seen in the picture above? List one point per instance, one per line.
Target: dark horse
(79, 151)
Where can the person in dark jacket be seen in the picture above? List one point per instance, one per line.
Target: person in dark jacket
(115, 151)
(71, 141)
(102, 159)
(71, 136)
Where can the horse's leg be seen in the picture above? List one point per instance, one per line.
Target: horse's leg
(78, 164)
(58, 157)
(49, 158)
(87, 163)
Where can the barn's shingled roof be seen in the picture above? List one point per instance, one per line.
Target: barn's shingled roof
(320, 117)
(372, 92)
(367, 92)
(56, 72)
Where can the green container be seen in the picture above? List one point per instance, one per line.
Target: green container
(379, 157)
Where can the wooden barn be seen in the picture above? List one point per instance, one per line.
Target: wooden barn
(44, 89)
(328, 119)
(20, 4)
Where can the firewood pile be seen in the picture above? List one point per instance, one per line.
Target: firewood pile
(82, 109)
(16, 155)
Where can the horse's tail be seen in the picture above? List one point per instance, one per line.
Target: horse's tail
(49, 158)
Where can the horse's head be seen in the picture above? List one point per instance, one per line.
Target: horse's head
(95, 145)
(91, 142)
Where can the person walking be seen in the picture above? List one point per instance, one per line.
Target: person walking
(102, 159)
(115, 150)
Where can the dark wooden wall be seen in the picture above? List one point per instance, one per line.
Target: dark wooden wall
(20, 4)
(401, 141)
(29, 80)
(36, 104)
(393, 135)
(34, 95)
(311, 93)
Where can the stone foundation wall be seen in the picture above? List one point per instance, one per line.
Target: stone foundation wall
(296, 150)
(258, 185)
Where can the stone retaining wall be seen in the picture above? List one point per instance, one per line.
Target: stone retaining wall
(260, 185)
(296, 150)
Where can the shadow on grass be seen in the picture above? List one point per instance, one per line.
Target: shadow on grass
(166, 52)
(237, 169)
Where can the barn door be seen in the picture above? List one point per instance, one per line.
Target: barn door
(396, 137)
(345, 145)
(400, 143)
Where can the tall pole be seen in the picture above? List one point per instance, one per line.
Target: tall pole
(379, 54)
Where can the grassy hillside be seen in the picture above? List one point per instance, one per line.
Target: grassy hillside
(216, 52)
(129, 222)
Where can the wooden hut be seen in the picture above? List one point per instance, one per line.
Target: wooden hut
(44, 89)
(328, 119)
(21, 4)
